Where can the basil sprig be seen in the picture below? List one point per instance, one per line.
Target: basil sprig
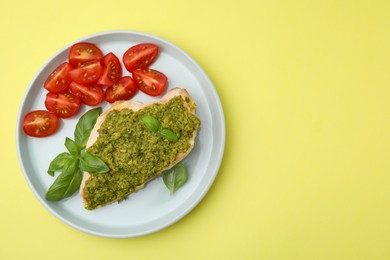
(76, 160)
(175, 177)
(155, 126)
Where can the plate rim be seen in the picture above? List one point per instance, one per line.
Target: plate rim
(218, 160)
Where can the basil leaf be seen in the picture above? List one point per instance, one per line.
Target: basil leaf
(67, 183)
(168, 134)
(175, 177)
(72, 147)
(59, 162)
(151, 123)
(92, 163)
(85, 125)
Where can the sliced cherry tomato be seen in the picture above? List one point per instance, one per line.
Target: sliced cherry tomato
(62, 104)
(40, 123)
(112, 71)
(124, 89)
(87, 73)
(140, 56)
(149, 81)
(89, 95)
(83, 52)
(58, 80)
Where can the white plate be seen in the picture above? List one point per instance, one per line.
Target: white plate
(152, 208)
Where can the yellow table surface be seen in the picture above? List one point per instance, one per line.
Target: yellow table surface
(305, 87)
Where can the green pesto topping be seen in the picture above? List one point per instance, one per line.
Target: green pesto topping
(135, 154)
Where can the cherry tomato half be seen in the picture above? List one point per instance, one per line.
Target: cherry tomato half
(58, 80)
(87, 73)
(40, 123)
(124, 89)
(89, 95)
(112, 70)
(140, 56)
(62, 104)
(149, 81)
(83, 52)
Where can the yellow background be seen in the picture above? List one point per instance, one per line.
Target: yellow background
(305, 86)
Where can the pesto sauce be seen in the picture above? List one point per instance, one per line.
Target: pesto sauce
(135, 154)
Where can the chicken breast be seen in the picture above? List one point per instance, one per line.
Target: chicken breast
(135, 106)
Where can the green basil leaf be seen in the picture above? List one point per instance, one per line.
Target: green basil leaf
(92, 163)
(59, 162)
(168, 134)
(72, 147)
(151, 123)
(67, 183)
(175, 177)
(85, 125)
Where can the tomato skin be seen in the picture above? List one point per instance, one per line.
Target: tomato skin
(87, 73)
(149, 81)
(124, 89)
(40, 123)
(90, 95)
(64, 105)
(83, 52)
(140, 56)
(59, 80)
(112, 70)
